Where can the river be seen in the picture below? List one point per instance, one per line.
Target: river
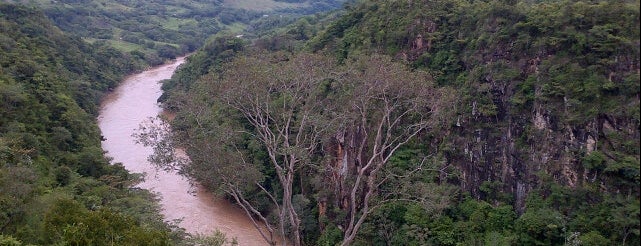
(122, 111)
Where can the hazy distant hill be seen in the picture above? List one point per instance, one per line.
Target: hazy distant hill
(161, 29)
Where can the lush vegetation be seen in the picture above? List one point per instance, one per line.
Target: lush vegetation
(406, 122)
(56, 186)
(155, 31)
(548, 109)
(528, 133)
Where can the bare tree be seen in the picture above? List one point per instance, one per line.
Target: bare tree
(273, 101)
(298, 110)
(384, 106)
(281, 102)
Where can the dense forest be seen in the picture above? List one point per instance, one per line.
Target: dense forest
(402, 122)
(423, 123)
(57, 60)
(56, 186)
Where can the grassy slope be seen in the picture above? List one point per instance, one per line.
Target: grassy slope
(261, 5)
(181, 24)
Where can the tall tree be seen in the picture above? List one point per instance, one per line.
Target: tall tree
(384, 106)
(281, 101)
(274, 103)
(270, 119)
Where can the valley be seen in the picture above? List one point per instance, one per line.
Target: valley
(406, 122)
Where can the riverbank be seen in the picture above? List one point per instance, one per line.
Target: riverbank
(122, 111)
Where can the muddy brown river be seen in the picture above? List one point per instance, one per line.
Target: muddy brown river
(133, 102)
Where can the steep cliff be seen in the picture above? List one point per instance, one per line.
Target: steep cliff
(547, 89)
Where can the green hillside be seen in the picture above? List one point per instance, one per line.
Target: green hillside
(158, 30)
(56, 187)
(57, 60)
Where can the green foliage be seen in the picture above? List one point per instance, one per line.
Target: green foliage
(69, 223)
(9, 241)
(589, 213)
(593, 238)
(215, 239)
(576, 62)
(453, 38)
(540, 227)
(331, 236)
(217, 51)
(594, 161)
(573, 63)
(160, 30)
(56, 185)
(469, 222)
(627, 168)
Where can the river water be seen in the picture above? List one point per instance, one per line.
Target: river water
(122, 111)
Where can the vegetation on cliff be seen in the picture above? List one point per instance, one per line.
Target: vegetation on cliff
(536, 142)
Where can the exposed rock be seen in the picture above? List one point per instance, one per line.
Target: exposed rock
(590, 144)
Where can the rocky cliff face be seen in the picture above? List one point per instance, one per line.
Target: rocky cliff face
(551, 147)
(548, 92)
(518, 144)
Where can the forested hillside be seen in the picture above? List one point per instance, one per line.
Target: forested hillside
(56, 186)
(424, 123)
(158, 30)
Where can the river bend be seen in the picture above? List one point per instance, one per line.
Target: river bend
(122, 111)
